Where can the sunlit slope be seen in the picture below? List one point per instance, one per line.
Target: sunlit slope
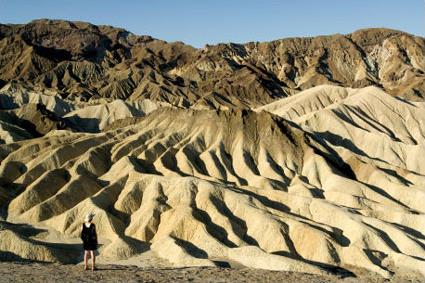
(238, 186)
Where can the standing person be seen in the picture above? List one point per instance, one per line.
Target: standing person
(89, 237)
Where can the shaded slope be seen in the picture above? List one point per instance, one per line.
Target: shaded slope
(26, 114)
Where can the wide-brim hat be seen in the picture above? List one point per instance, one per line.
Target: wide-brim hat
(89, 217)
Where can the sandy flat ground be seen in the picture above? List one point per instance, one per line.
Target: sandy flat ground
(41, 272)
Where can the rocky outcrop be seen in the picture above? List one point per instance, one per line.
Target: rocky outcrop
(83, 61)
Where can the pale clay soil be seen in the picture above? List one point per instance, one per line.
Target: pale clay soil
(184, 187)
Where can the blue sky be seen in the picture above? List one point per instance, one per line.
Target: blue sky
(198, 22)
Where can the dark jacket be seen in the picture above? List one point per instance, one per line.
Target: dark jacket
(89, 237)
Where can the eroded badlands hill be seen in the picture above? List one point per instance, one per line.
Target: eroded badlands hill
(255, 155)
(340, 187)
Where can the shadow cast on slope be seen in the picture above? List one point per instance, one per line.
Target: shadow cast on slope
(212, 228)
(239, 226)
(191, 249)
(21, 228)
(333, 269)
(88, 125)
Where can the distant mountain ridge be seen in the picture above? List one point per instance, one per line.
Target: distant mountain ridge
(82, 61)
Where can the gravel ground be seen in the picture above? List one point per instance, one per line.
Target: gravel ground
(41, 272)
